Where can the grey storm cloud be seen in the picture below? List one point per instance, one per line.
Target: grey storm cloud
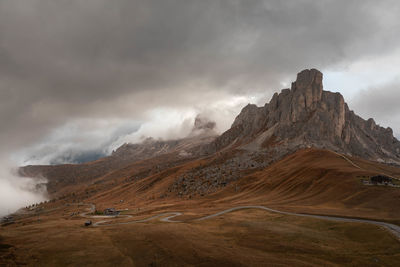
(65, 60)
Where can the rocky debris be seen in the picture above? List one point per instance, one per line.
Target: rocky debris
(206, 179)
(307, 116)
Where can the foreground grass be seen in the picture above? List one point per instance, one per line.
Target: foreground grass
(249, 237)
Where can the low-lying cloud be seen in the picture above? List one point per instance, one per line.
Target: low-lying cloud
(17, 192)
(77, 141)
(89, 139)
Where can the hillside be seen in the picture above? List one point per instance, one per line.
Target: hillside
(310, 180)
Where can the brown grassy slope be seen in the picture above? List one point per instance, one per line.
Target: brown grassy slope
(319, 181)
(311, 181)
(99, 176)
(242, 238)
(63, 179)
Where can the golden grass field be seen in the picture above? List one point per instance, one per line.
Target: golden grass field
(241, 238)
(309, 181)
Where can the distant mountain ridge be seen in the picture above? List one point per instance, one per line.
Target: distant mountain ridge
(179, 150)
(203, 132)
(307, 116)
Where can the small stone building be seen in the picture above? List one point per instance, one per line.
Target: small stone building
(111, 211)
(381, 179)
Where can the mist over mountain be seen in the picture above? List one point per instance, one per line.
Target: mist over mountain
(16, 192)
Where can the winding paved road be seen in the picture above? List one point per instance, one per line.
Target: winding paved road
(167, 216)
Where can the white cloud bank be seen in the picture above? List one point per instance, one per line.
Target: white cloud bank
(17, 192)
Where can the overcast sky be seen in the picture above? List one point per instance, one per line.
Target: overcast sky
(79, 77)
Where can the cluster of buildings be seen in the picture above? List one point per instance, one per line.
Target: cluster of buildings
(379, 180)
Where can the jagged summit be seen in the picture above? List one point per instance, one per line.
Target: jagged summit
(308, 116)
(309, 85)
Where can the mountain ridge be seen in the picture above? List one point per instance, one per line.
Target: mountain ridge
(307, 116)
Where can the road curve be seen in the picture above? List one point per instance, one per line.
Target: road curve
(164, 219)
(167, 216)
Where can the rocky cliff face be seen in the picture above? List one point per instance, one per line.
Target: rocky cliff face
(307, 116)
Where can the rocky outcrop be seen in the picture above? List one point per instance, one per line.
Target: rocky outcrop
(202, 133)
(307, 116)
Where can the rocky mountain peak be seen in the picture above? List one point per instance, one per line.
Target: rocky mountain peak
(308, 116)
(309, 78)
(308, 85)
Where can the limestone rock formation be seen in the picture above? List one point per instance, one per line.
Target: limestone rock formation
(307, 116)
